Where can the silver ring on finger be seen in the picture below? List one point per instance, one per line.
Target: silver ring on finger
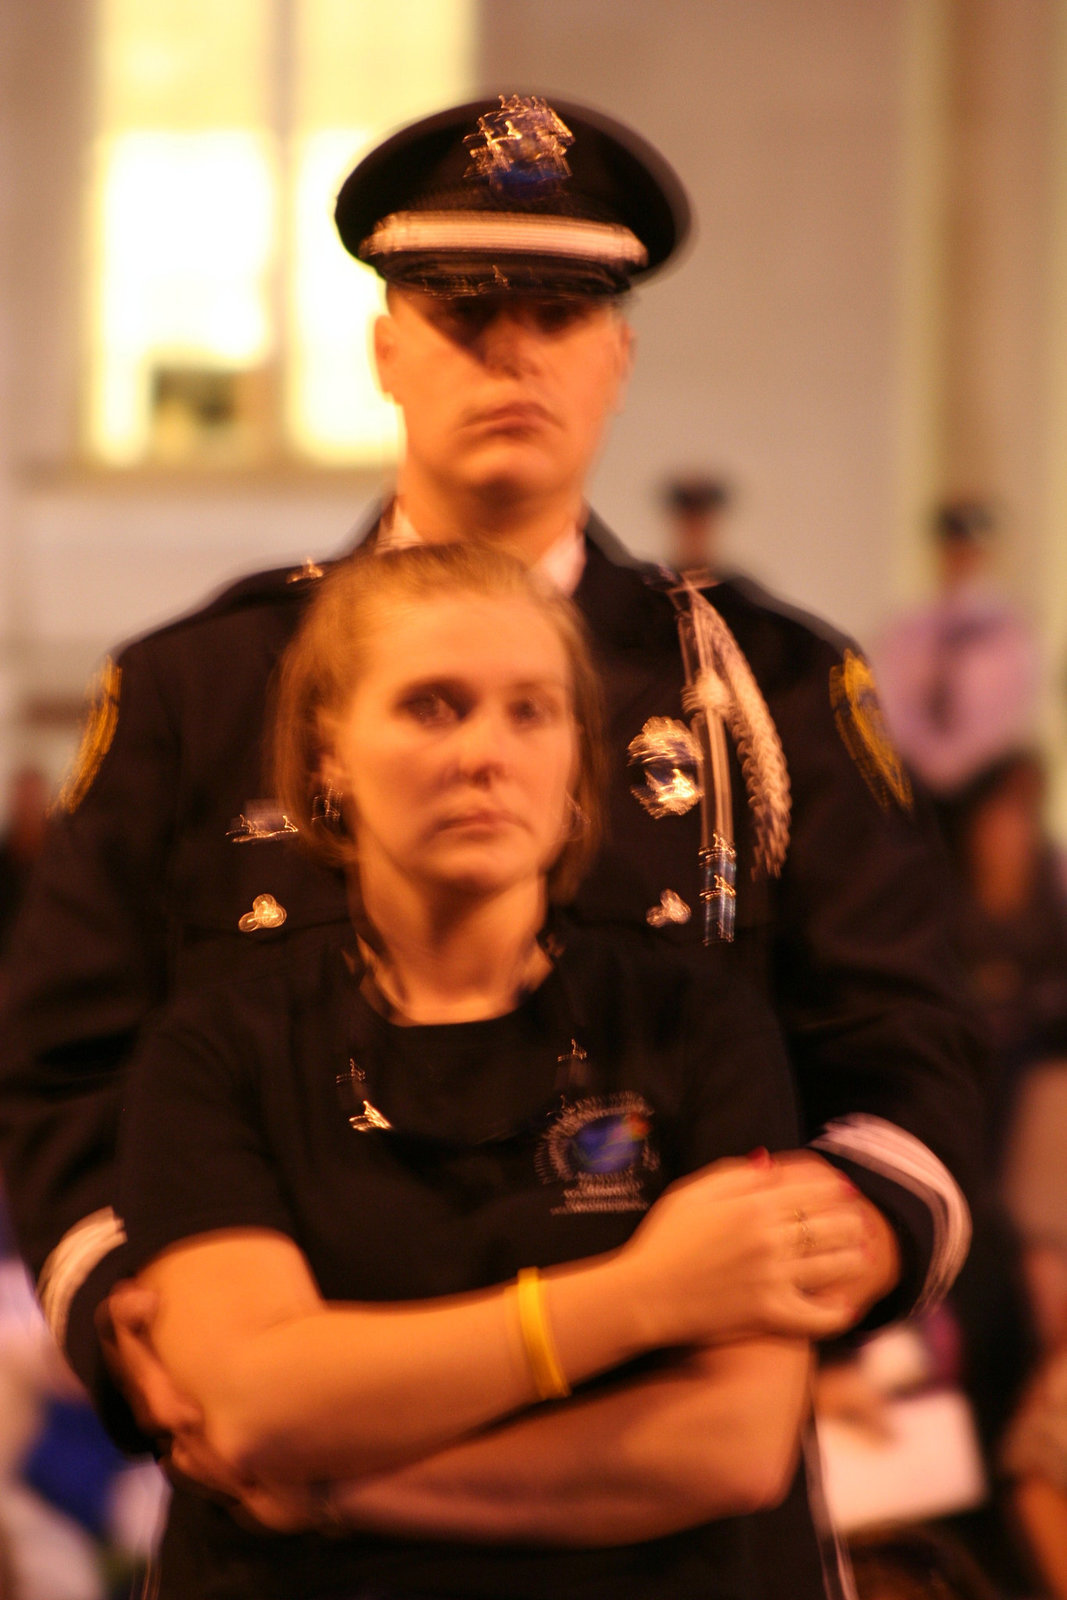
(805, 1242)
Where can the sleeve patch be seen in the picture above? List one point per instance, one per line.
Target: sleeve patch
(862, 726)
(101, 720)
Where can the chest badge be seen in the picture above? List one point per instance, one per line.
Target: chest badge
(363, 1117)
(671, 908)
(260, 819)
(601, 1149)
(265, 913)
(519, 149)
(670, 757)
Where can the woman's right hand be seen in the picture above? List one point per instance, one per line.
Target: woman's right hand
(751, 1247)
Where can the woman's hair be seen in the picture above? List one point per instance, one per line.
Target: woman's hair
(321, 669)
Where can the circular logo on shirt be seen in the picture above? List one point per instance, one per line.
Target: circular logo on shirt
(601, 1148)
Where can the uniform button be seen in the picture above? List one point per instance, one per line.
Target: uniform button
(309, 571)
(265, 913)
(671, 908)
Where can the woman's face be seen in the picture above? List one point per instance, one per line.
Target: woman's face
(458, 749)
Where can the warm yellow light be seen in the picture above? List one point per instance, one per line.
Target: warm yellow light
(382, 65)
(219, 293)
(183, 65)
(185, 255)
(335, 410)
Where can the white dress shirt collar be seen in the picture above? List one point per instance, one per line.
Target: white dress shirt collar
(562, 564)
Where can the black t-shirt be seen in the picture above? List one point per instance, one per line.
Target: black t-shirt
(530, 1139)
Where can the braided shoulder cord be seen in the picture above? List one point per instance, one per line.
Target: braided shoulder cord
(726, 688)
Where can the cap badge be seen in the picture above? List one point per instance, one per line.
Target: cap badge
(520, 148)
(670, 756)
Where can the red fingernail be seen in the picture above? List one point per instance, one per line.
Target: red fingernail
(760, 1157)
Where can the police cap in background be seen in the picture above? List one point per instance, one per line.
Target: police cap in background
(965, 521)
(514, 195)
(694, 494)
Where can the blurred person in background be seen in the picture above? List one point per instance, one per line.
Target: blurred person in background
(1013, 938)
(960, 676)
(696, 507)
(1034, 1456)
(76, 1518)
(1009, 1305)
(1012, 927)
(961, 679)
(1034, 1186)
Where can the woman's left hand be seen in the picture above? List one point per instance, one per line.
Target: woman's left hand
(876, 1272)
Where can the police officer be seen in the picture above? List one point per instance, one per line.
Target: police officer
(696, 508)
(758, 813)
(961, 675)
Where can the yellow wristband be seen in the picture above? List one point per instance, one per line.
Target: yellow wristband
(548, 1376)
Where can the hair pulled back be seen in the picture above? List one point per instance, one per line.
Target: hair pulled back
(322, 667)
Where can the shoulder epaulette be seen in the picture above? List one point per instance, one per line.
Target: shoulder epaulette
(279, 586)
(259, 588)
(758, 599)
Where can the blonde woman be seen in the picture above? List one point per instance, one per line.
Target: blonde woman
(394, 1197)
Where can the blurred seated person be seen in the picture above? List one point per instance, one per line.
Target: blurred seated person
(1036, 1461)
(1013, 934)
(1008, 1307)
(397, 1188)
(1035, 1190)
(1012, 926)
(1005, 1307)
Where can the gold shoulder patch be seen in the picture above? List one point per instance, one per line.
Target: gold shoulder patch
(862, 726)
(101, 720)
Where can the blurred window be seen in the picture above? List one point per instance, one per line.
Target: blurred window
(226, 323)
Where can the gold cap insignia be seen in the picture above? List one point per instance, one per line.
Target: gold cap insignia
(862, 726)
(670, 755)
(101, 720)
(520, 148)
